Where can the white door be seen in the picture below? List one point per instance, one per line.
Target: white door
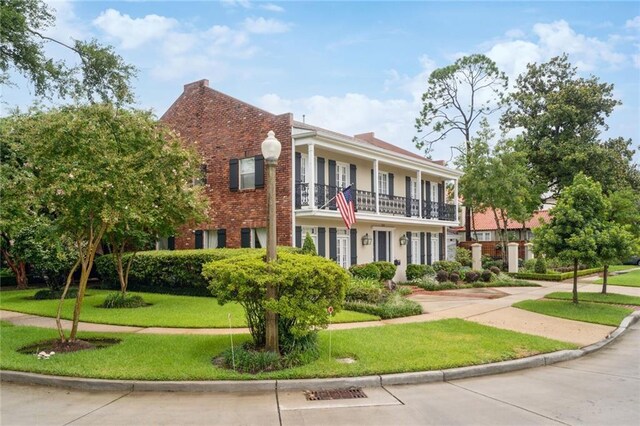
(303, 168)
(415, 250)
(434, 192)
(414, 189)
(435, 247)
(343, 251)
(342, 175)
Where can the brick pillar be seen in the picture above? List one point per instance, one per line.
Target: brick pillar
(513, 256)
(476, 256)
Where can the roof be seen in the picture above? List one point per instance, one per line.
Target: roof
(486, 221)
(370, 139)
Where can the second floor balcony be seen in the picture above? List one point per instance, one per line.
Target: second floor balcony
(365, 201)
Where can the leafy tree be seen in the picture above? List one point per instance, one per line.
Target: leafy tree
(101, 75)
(562, 116)
(90, 167)
(577, 222)
(308, 247)
(457, 96)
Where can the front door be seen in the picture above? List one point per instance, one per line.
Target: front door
(343, 250)
(381, 241)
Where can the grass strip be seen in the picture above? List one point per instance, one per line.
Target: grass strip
(629, 279)
(165, 310)
(611, 298)
(597, 313)
(378, 350)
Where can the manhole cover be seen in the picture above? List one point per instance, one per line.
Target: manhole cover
(329, 394)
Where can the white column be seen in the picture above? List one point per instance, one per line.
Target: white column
(513, 256)
(311, 171)
(476, 256)
(528, 251)
(375, 185)
(455, 196)
(419, 185)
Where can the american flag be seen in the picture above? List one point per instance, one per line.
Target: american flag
(345, 203)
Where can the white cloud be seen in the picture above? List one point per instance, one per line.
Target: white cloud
(515, 33)
(633, 23)
(272, 7)
(265, 26)
(133, 32)
(245, 4)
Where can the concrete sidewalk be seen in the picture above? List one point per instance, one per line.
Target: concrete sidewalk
(469, 305)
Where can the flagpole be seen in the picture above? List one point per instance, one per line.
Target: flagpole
(334, 197)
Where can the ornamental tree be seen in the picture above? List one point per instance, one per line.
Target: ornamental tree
(577, 223)
(91, 168)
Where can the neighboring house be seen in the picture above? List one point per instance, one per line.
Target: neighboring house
(401, 211)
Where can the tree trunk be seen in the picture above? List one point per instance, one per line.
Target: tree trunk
(467, 223)
(605, 276)
(21, 276)
(126, 273)
(575, 281)
(64, 294)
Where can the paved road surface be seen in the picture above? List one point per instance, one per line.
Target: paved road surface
(600, 389)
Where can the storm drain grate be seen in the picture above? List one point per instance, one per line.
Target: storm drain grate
(329, 394)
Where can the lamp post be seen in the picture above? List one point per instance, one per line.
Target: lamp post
(271, 151)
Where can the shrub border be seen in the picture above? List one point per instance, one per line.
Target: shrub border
(555, 277)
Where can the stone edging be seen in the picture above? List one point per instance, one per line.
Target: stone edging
(317, 384)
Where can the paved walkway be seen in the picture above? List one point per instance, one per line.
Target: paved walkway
(477, 305)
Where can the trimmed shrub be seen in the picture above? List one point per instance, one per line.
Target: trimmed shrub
(463, 256)
(52, 294)
(415, 272)
(454, 277)
(432, 285)
(446, 265)
(487, 276)
(119, 300)
(395, 306)
(442, 276)
(366, 271)
(247, 360)
(364, 290)
(309, 247)
(488, 262)
(495, 270)
(529, 265)
(306, 284)
(387, 270)
(471, 277)
(540, 266)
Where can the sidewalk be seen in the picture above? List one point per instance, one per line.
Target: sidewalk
(470, 306)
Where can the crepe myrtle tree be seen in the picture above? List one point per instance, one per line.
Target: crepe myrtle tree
(577, 223)
(91, 168)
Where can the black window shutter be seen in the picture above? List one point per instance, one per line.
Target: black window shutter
(422, 188)
(409, 248)
(373, 187)
(354, 246)
(333, 242)
(259, 177)
(298, 172)
(442, 247)
(429, 255)
(441, 201)
(322, 244)
(171, 243)
(422, 248)
(353, 175)
(332, 184)
(245, 237)
(299, 236)
(199, 239)
(234, 178)
(407, 183)
(222, 238)
(391, 184)
(320, 192)
(427, 188)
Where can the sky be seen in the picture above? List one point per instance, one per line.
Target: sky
(351, 67)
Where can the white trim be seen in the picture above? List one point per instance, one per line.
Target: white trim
(372, 217)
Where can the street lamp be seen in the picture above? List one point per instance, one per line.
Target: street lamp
(271, 151)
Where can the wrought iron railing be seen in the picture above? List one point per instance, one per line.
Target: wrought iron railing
(390, 204)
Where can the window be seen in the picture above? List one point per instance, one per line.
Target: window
(414, 189)
(248, 173)
(483, 236)
(342, 175)
(383, 183)
(434, 192)
(343, 248)
(303, 168)
(415, 249)
(166, 243)
(314, 235)
(253, 237)
(210, 238)
(435, 247)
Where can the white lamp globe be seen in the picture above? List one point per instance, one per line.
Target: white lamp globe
(271, 147)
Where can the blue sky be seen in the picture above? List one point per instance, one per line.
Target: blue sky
(352, 67)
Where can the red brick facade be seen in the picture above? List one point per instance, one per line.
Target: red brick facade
(224, 128)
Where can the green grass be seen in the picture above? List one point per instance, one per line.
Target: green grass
(614, 268)
(598, 313)
(165, 310)
(611, 298)
(630, 279)
(378, 350)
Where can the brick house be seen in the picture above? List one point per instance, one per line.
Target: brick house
(401, 211)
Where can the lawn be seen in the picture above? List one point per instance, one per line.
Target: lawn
(165, 310)
(629, 279)
(378, 350)
(611, 298)
(615, 268)
(598, 313)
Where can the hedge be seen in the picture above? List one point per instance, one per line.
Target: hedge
(168, 271)
(555, 277)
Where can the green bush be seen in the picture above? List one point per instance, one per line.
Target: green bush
(395, 306)
(472, 277)
(415, 272)
(496, 271)
(308, 247)
(164, 271)
(54, 294)
(487, 276)
(488, 262)
(247, 360)
(364, 290)
(555, 276)
(463, 256)
(432, 285)
(387, 270)
(307, 286)
(447, 265)
(366, 271)
(454, 277)
(442, 276)
(540, 266)
(119, 300)
(529, 265)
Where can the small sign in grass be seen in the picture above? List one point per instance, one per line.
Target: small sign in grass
(597, 313)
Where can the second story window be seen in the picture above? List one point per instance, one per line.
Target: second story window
(414, 189)
(383, 183)
(342, 173)
(303, 168)
(248, 173)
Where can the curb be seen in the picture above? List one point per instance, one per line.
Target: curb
(231, 386)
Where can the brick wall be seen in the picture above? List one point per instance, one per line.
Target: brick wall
(223, 128)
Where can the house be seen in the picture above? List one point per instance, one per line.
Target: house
(402, 210)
